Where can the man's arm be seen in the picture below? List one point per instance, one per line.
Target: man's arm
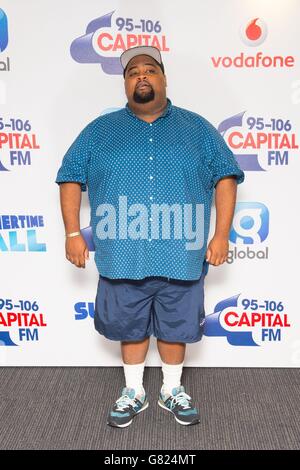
(70, 201)
(225, 199)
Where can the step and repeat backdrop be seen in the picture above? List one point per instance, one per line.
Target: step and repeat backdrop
(236, 63)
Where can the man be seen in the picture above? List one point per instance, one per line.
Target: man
(149, 155)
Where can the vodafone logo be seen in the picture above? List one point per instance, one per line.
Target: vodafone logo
(254, 33)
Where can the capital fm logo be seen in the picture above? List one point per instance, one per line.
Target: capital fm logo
(249, 232)
(253, 33)
(18, 143)
(20, 321)
(109, 35)
(247, 321)
(260, 142)
(4, 62)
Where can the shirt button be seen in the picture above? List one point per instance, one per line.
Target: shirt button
(151, 158)
(149, 239)
(151, 197)
(150, 218)
(151, 139)
(150, 123)
(151, 177)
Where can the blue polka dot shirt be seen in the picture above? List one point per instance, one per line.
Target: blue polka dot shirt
(173, 162)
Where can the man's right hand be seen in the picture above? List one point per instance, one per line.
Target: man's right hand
(77, 251)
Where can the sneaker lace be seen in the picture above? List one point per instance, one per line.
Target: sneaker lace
(123, 402)
(182, 399)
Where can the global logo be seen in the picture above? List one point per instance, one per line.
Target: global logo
(250, 223)
(247, 321)
(254, 33)
(250, 228)
(3, 31)
(108, 36)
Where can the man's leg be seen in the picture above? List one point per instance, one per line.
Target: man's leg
(171, 353)
(172, 395)
(134, 355)
(172, 357)
(134, 352)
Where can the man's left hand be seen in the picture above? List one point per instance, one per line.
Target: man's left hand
(217, 250)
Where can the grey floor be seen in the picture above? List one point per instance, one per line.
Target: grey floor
(66, 408)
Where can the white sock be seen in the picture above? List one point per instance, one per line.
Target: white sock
(134, 376)
(171, 376)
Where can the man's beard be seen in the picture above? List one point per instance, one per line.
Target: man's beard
(145, 97)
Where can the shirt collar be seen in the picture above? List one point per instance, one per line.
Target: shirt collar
(166, 111)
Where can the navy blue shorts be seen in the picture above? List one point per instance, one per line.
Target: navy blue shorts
(134, 309)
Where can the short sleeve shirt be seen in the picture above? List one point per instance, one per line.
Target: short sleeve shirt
(150, 188)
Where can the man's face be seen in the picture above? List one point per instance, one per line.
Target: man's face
(144, 80)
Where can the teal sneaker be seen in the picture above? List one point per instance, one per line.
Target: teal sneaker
(179, 403)
(126, 408)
